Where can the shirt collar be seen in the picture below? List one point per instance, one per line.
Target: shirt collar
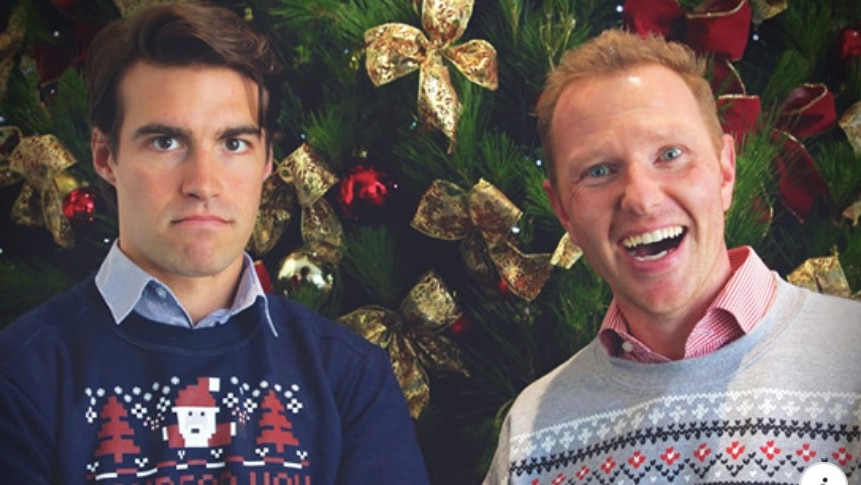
(746, 296)
(123, 285)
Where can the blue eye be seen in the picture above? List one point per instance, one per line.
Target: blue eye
(598, 171)
(671, 153)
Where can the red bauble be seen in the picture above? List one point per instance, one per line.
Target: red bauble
(79, 205)
(460, 327)
(365, 192)
(850, 44)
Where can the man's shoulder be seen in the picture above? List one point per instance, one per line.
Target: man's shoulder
(57, 311)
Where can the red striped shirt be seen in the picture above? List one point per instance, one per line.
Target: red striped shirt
(736, 310)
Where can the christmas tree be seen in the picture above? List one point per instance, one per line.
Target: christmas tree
(407, 201)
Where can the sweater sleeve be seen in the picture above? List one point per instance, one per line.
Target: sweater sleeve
(24, 438)
(380, 444)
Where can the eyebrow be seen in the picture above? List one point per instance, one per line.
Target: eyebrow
(182, 133)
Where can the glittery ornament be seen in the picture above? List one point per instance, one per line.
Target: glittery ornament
(365, 193)
(303, 273)
(850, 44)
(79, 205)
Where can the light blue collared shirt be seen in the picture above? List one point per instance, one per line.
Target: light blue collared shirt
(126, 287)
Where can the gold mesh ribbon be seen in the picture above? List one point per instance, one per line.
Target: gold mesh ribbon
(11, 42)
(823, 275)
(850, 122)
(129, 8)
(302, 176)
(413, 336)
(395, 49)
(39, 161)
(766, 9)
(853, 212)
(482, 220)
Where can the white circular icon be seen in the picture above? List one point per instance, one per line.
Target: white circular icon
(823, 474)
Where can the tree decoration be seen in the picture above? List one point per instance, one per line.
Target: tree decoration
(766, 9)
(850, 44)
(304, 271)
(395, 49)
(850, 123)
(128, 8)
(365, 192)
(263, 276)
(11, 42)
(413, 336)
(79, 205)
(824, 275)
(853, 212)
(717, 27)
(37, 160)
(482, 219)
(807, 111)
(305, 177)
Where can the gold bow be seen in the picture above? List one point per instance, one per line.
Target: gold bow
(413, 337)
(482, 220)
(395, 49)
(823, 275)
(11, 42)
(850, 123)
(39, 161)
(307, 174)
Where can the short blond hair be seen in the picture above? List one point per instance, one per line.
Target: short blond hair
(615, 51)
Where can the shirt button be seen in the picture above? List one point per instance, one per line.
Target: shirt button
(627, 346)
(160, 292)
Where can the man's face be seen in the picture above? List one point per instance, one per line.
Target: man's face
(188, 169)
(642, 190)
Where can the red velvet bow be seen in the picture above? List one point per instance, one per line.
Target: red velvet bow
(718, 26)
(807, 111)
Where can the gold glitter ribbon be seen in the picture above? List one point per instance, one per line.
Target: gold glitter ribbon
(850, 123)
(413, 336)
(853, 212)
(11, 42)
(39, 161)
(302, 176)
(766, 9)
(823, 275)
(394, 50)
(482, 220)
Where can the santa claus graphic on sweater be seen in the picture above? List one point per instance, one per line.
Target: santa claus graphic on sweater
(195, 411)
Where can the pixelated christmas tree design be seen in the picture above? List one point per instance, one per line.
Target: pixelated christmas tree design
(115, 434)
(275, 427)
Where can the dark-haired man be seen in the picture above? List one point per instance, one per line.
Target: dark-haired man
(171, 365)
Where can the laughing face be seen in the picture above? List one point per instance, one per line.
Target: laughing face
(642, 189)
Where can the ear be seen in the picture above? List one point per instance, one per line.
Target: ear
(103, 159)
(269, 164)
(559, 209)
(727, 170)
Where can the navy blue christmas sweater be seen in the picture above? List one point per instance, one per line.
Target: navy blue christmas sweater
(84, 400)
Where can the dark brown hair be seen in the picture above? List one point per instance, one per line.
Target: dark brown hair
(177, 35)
(614, 51)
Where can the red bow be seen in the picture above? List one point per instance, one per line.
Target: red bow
(807, 111)
(718, 26)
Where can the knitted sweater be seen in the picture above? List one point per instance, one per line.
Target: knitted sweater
(760, 410)
(84, 400)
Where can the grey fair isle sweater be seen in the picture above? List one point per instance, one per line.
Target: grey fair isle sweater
(760, 410)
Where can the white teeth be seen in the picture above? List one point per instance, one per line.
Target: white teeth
(652, 237)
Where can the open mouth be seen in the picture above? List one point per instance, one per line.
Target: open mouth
(654, 245)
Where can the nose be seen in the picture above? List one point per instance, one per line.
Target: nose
(202, 175)
(642, 190)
